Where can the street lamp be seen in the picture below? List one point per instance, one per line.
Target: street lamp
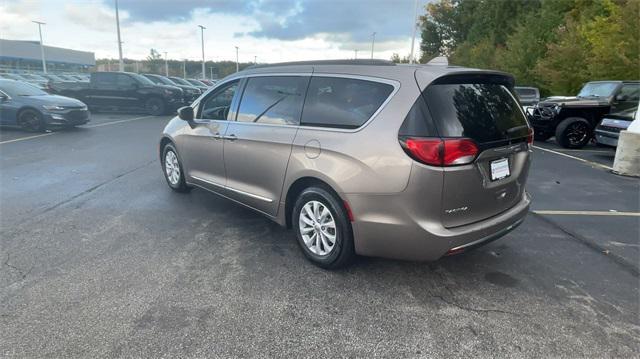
(166, 65)
(356, 51)
(255, 59)
(237, 64)
(44, 63)
(415, 27)
(204, 76)
(121, 67)
(373, 42)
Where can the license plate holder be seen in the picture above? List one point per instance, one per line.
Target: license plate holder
(500, 169)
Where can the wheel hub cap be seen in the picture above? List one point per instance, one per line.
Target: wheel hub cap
(172, 167)
(317, 228)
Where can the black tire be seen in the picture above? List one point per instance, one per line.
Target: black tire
(31, 120)
(541, 136)
(155, 106)
(179, 185)
(342, 252)
(573, 132)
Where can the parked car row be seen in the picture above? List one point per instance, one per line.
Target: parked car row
(601, 109)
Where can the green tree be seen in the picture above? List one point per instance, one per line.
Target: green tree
(154, 61)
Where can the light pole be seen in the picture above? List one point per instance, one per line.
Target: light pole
(373, 42)
(166, 65)
(356, 51)
(184, 69)
(44, 62)
(202, 39)
(415, 27)
(121, 63)
(237, 63)
(255, 59)
(211, 72)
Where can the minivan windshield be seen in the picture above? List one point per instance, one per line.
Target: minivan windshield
(598, 89)
(484, 112)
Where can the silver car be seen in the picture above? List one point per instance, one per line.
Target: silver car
(361, 157)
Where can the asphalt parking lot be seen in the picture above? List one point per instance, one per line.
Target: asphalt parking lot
(100, 258)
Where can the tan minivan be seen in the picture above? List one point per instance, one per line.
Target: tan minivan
(362, 156)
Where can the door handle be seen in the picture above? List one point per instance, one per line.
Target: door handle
(217, 136)
(231, 137)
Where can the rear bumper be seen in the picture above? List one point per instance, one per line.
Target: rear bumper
(607, 138)
(383, 228)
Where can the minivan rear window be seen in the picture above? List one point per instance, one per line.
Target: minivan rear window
(484, 112)
(342, 102)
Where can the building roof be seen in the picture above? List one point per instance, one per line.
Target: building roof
(30, 50)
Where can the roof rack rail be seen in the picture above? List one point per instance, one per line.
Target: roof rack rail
(367, 62)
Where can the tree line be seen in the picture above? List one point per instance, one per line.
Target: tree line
(555, 45)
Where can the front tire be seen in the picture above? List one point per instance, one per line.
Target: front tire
(573, 132)
(155, 106)
(31, 120)
(172, 168)
(323, 229)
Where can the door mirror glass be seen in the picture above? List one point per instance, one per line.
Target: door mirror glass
(186, 113)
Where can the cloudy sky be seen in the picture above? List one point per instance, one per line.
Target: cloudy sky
(272, 30)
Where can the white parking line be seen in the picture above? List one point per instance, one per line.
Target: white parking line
(116, 122)
(590, 213)
(575, 158)
(90, 126)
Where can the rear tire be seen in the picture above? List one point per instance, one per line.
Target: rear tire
(573, 132)
(154, 106)
(31, 120)
(172, 169)
(323, 229)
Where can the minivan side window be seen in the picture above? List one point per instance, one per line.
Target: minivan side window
(342, 102)
(273, 99)
(216, 106)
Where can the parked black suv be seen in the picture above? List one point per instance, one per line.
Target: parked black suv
(124, 91)
(573, 119)
(191, 93)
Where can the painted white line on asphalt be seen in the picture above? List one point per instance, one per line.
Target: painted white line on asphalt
(116, 122)
(27, 138)
(575, 158)
(590, 213)
(590, 151)
(90, 126)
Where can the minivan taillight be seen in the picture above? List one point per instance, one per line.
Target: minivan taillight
(440, 152)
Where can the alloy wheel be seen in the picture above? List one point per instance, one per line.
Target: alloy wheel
(172, 167)
(577, 132)
(317, 228)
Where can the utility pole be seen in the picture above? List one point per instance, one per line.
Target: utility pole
(121, 67)
(373, 42)
(184, 69)
(204, 75)
(255, 59)
(44, 62)
(356, 51)
(415, 27)
(166, 65)
(237, 63)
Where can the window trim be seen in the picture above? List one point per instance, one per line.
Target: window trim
(396, 87)
(243, 77)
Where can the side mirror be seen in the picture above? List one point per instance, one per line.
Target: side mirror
(621, 97)
(186, 114)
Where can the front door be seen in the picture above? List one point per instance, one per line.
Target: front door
(202, 145)
(257, 146)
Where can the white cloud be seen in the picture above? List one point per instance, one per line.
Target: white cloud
(90, 25)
